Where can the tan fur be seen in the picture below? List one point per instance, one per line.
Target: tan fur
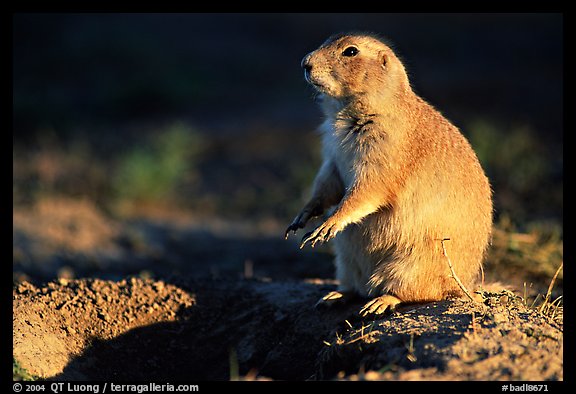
(400, 175)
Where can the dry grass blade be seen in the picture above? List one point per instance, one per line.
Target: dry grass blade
(549, 292)
(546, 305)
(535, 300)
(555, 310)
(464, 289)
(473, 323)
(363, 337)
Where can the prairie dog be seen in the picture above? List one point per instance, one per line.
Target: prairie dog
(401, 179)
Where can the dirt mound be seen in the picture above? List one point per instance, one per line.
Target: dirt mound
(222, 329)
(453, 340)
(54, 323)
(55, 235)
(73, 224)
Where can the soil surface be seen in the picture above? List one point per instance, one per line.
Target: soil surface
(142, 329)
(161, 301)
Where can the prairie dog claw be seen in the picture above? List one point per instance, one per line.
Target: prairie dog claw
(380, 305)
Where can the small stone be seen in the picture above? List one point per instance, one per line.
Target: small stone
(500, 317)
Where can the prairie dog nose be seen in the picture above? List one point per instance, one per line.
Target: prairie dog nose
(306, 62)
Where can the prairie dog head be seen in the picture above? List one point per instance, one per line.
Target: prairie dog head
(352, 66)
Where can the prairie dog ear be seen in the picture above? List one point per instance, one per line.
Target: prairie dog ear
(383, 58)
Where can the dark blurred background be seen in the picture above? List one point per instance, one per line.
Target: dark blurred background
(107, 83)
(208, 115)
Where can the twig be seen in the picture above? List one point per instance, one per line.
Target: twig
(464, 289)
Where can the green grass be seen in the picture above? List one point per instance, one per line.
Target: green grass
(154, 170)
(512, 154)
(19, 373)
(534, 254)
(525, 170)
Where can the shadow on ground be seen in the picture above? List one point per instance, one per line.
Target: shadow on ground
(248, 327)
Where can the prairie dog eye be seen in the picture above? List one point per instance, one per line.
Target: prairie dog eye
(350, 51)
